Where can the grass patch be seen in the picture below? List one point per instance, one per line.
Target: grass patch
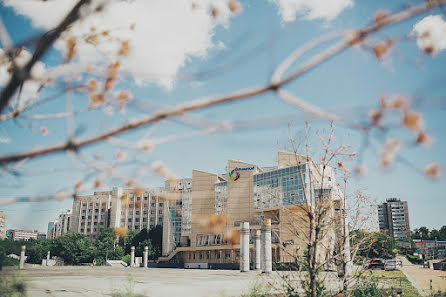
(12, 285)
(394, 279)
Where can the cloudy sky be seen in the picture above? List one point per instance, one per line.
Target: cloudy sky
(173, 52)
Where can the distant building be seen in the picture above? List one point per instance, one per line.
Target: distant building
(14, 234)
(393, 216)
(51, 233)
(41, 236)
(430, 248)
(134, 209)
(60, 226)
(3, 218)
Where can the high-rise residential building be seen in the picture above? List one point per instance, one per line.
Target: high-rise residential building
(213, 207)
(60, 226)
(3, 218)
(133, 209)
(393, 217)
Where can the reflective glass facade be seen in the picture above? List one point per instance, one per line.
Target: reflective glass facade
(279, 187)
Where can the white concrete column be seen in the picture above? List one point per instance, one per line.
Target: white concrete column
(267, 256)
(262, 249)
(145, 256)
(48, 256)
(244, 246)
(22, 257)
(132, 256)
(257, 253)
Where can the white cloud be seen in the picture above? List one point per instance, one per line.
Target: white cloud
(431, 33)
(30, 87)
(166, 34)
(311, 9)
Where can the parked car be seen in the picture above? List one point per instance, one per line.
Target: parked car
(375, 264)
(392, 264)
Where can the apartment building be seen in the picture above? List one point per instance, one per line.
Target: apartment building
(133, 209)
(3, 218)
(60, 226)
(393, 217)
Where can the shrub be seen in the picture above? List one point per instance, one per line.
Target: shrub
(366, 288)
(126, 259)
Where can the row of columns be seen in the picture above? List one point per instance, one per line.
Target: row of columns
(145, 256)
(263, 252)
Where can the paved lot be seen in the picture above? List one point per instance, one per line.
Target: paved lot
(422, 277)
(103, 281)
(153, 282)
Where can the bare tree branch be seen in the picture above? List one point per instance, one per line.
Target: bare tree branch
(353, 38)
(20, 75)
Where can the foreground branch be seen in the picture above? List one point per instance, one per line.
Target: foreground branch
(354, 37)
(20, 75)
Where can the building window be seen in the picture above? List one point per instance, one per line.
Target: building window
(160, 204)
(137, 220)
(129, 220)
(88, 230)
(137, 212)
(208, 255)
(136, 227)
(194, 255)
(160, 211)
(82, 230)
(145, 198)
(201, 255)
(144, 219)
(227, 255)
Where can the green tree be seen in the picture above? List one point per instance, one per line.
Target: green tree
(36, 250)
(424, 232)
(375, 245)
(156, 238)
(11, 247)
(443, 233)
(74, 248)
(106, 246)
(128, 240)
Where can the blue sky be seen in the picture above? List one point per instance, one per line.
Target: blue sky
(246, 49)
